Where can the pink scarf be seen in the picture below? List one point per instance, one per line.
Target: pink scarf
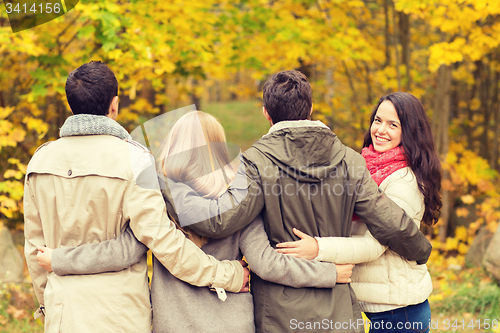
(382, 165)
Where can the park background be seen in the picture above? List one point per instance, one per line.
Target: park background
(217, 54)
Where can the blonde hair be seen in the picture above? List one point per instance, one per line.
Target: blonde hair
(195, 153)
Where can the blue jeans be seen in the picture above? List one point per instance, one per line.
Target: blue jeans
(410, 319)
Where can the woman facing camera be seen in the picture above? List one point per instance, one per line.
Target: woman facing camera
(400, 155)
(195, 153)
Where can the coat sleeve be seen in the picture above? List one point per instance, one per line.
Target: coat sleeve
(349, 250)
(109, 256)
(34, 237)
(365, 248)
(221, 217)
(280, 268)
(388, 223)
(145, 209)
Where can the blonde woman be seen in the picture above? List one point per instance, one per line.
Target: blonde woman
(195, 153)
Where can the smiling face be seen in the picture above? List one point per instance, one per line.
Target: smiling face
(386, 128)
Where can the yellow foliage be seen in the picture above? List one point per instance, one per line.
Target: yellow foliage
(7, 206)
(493, 226)
(486, 186)
(451, 244)
(40, 126)
(445, 53)
(462, 212)
(461, 233)
(463, 248)
(13, 174)
(475, 104)
(467, 199)
(6, 111)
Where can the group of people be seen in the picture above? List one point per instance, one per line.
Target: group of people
(327, 232)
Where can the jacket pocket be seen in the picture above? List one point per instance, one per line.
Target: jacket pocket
(53, 319)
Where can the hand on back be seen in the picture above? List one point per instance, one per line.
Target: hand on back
(306, 247)
(246, 277)
(44, 257)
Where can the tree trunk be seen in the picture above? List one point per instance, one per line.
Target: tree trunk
(469, 128)
(147, 92)
(234, 97)
(305, 69)
(395, 43)
(404, 38)
(442, 115)
(387, 34)
(163, 106)
(195, 99)
(484, 94)
(330, 94)
(456, 93)
(369, 91)
(495, 108)
(354, 97)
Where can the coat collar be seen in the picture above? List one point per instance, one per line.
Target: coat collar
(89, 124)
(295, 124)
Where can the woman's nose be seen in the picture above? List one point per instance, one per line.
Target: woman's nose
(382, 129)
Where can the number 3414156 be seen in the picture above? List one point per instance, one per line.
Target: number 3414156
(33, 8)
(477, 323)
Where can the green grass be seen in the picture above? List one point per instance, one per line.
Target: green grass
(473, 295)
(470, 298)
(243, 122)
(483, 300)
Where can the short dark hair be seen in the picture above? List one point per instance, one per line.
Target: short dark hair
(418, 146)
(91, 88)
(288, 96)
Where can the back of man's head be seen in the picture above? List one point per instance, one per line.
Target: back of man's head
(288, 96)
(90, 89)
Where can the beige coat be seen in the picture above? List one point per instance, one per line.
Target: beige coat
(84, 189)
(383, 276)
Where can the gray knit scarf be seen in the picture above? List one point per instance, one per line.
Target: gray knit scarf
(89, 124)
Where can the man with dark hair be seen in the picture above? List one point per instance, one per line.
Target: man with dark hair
(87, 187)
(91, 89)
(287, 96)
(299, 175)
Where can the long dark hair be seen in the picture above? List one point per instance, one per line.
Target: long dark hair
(418, 144)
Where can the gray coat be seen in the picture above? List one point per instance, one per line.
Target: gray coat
(300, 175)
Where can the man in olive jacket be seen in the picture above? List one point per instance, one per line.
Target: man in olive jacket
(300, 175)
(86, 188)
